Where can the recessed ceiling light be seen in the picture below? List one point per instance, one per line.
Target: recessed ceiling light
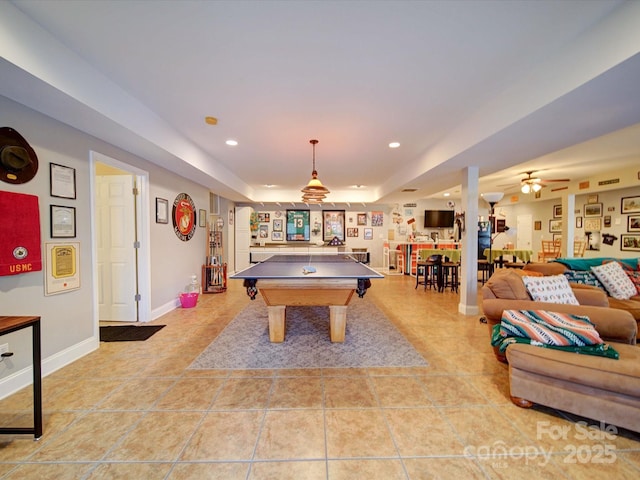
(231, 143)
(394, 144)
(269, 185)
(211, 120)
(358, 186)
(446, 194)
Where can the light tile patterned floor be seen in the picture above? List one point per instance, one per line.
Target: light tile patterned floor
(132, 410)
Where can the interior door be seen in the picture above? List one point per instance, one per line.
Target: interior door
(116, 253)
(524, 232)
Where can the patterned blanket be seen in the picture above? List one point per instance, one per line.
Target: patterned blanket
(561, 331)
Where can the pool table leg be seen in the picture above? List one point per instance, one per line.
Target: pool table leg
(277, 323)
(337, 322)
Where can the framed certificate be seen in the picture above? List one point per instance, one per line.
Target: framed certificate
(62, 181)
(63, 221)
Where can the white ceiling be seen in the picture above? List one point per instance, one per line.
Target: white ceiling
(505, 86)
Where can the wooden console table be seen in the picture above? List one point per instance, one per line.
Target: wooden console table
(12, 324)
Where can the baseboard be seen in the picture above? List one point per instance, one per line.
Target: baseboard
(23, 378)
(468, 309)
(164, 309)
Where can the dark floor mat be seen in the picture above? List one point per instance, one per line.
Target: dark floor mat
(127, 333)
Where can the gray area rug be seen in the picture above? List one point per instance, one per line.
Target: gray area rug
(371, 341)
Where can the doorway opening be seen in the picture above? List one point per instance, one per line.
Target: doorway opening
(120, 237)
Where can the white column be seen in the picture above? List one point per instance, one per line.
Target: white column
(469, 268)
(568, 224)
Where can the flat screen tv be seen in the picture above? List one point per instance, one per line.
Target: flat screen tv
(438, 218)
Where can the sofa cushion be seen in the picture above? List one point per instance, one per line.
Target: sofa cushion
(583, 277)
(506, 283)
(615, 280)
(551, 289)
(631, 305)
(621, 376)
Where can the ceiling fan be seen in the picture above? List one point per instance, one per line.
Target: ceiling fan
(534, 184)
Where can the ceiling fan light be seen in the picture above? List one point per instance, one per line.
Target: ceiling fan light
(526, 188)
(536, 187)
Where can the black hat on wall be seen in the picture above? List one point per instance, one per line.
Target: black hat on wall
(18, 161)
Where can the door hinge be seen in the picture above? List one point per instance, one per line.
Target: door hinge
(135, 190)
(136, 244)
(137, 297)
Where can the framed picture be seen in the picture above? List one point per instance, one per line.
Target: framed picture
(633, 223)
(537, 225)
(352, 232)
(202, 220)
(362, 219)
(162, 210)
(298, 226)
(277, 225)
(263, 231)
(630, 205)
(592, 198)
(276, 236)
(62, 267)
(630, 242)
(264, 217)
(63, 221)
(368, 233)
(333, 224)
(377, 219)
(592, 224)
(607, 221)
(593, 210)
(557, 237)
(62, 181)
(557, 211)
(555, 226)
(578, 222)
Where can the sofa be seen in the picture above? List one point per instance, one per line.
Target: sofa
(505, 290)
(576, 270)
(603, 389)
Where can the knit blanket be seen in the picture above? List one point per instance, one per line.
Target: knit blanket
(560, 331)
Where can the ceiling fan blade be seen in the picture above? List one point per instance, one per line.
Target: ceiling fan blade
(557, 180)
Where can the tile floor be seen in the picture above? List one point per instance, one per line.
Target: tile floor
(132, 410)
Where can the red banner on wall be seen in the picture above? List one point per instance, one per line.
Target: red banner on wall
(20, 247)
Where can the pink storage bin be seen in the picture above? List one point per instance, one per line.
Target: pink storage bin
(188, 300)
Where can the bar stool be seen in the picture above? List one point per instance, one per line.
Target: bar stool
(485, 268)
(450, 274)
(428, 269)
(400, 263)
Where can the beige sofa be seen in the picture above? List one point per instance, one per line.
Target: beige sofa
(506, 291)
(599, 388)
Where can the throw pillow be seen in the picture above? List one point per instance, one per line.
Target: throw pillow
(550, 289)
(583, 277)
(505, 283)
(635, 278)
(615, 280)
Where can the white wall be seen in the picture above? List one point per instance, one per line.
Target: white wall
(69, 328)
(543, 211)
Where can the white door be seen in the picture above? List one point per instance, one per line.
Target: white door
(243, 237)
(116, 253)
(524, 233)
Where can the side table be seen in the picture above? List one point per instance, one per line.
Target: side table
(12, 324)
